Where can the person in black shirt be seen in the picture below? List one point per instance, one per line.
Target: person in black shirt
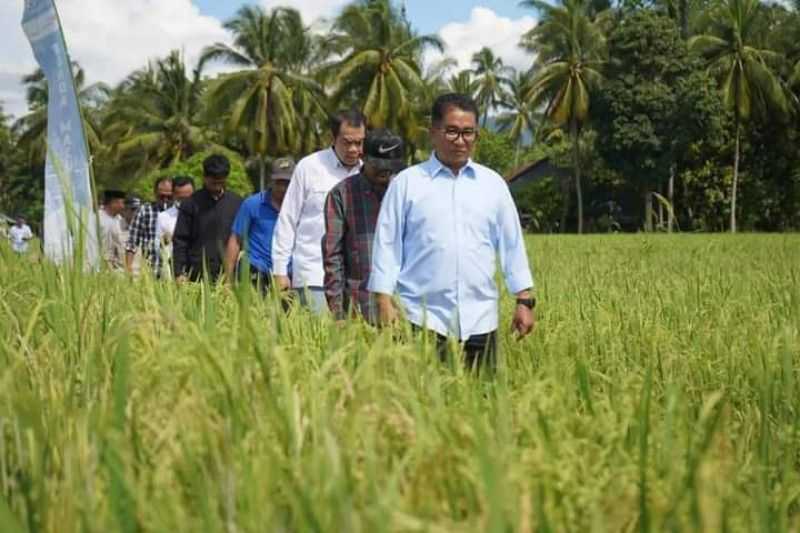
(204, 224)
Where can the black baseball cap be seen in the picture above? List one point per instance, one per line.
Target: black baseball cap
(384, 150)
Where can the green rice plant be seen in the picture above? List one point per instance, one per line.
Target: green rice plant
(658, 393)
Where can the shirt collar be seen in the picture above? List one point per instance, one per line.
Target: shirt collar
(338, 162)
(434, 167)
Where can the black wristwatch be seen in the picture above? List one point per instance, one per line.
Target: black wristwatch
(530, 303)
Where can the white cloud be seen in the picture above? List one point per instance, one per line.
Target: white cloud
(486, 28)
(109, 38)
(311, 10)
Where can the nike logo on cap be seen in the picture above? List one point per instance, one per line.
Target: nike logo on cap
(385, 150)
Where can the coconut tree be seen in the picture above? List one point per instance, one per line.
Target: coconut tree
(492, 77)
(519, 118)
(463, 82)
(154, 118)
(570, 49)
(744, 70)
(32, 127)
(258, 101)
(380, 63)
(434, 83)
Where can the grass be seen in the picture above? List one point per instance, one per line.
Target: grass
(659, 393)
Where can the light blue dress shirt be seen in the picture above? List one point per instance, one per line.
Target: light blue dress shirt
(437, 242)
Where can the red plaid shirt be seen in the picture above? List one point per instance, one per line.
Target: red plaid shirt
(351, 213)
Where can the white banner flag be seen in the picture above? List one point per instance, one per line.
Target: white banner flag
(68, 201)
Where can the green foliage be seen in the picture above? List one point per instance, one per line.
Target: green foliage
(519, 118)
(496, 151)
(20, 193)
(539, 204)
(260, 104)
(491, 78)
(661, 382)
(639, 107)
(238, 180)
(747, 72)
(380, 68)
(654, 112)
(153, 121)
(655, 104)
(571, 50)
(6, 147)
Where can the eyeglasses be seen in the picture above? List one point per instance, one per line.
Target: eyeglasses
(452, 134)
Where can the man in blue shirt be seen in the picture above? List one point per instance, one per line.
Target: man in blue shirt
(255, 223)
(441, 227)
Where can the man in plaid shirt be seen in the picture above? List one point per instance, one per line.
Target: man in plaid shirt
(351, 212)
(142, 231)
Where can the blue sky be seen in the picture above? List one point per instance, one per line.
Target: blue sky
(112, 38)
(428, 16)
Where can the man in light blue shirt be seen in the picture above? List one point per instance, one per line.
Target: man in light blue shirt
(441, 227)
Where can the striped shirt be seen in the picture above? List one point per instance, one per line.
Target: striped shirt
(351, 212)
(142, 234)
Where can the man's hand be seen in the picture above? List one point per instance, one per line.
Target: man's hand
(282, 282)
(232, 250)
(387, 312)
(523, 322)
(129, 256)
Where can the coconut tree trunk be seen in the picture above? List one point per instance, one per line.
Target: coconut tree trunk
(671, 198)
(262, 173)
(648, 211)
(576, 167)
(565, 195)
(683, 18)
(735, 185)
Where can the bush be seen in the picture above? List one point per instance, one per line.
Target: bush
(238, 181)
(539, 204)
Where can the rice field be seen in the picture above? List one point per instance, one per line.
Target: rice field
(660, 392)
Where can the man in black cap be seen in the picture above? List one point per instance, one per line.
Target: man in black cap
(351, 213)
(111, 238)
(204, 224)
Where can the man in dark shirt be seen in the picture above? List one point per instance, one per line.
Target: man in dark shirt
(204, 224)
(351, 212)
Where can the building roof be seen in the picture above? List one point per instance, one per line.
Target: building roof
(530, 172)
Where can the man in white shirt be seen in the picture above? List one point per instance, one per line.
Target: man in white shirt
(110, 219)
(301, 224)
(19, 234)
(182, 188)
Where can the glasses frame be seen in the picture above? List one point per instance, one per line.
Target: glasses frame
(454, 134)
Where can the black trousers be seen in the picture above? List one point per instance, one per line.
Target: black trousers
(260, 280)
(480, 351)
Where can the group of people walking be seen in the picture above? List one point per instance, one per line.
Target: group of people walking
(351, 231)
